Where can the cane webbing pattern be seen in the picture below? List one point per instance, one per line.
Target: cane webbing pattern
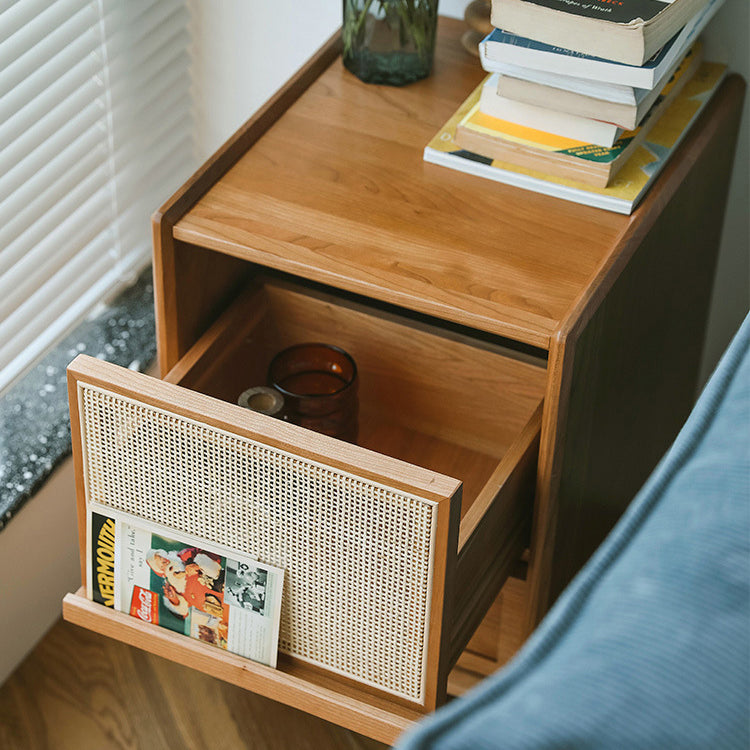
(357, 555)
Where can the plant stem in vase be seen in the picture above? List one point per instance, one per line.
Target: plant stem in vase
(389, 41)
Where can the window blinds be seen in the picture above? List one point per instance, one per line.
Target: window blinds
(95, 133)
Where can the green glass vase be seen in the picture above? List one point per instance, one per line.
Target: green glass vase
(389, 41)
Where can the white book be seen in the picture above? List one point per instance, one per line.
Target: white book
(626, 115)
(632, 181)
(552, 121)
(617, 93)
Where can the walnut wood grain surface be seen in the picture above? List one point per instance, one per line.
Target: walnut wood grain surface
(337, 191)
(624, 370)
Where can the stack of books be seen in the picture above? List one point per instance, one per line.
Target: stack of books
(584, 99)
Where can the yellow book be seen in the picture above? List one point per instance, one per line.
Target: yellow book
(633, 179)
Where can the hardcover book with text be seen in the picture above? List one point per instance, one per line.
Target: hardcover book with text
(515, 55)
(627, 31)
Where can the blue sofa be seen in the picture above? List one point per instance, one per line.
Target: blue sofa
(649, 646)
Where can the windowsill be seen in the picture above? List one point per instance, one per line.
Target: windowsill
(34, 418)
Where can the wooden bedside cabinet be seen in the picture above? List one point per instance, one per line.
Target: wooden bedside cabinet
(524, 364)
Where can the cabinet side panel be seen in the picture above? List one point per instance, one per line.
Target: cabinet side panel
(627, 370)
(205, 284)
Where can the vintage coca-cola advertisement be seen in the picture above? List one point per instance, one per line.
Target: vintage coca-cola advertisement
(183, 583)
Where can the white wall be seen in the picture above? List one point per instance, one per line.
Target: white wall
(245, 49)
(39, 560)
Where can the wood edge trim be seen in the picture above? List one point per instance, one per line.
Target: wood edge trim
(441, 606)
(165, 295)
(645, 216)
(351, 711)
(520, 447)
(234, 322)
(399, 475)
(544, 521)
(506, 323)
(80, 487)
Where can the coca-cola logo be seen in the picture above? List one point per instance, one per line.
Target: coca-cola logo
(143, 604)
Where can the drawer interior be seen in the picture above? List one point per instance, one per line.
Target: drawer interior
(434, 398)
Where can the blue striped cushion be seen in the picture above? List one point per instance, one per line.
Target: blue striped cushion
(649, 646)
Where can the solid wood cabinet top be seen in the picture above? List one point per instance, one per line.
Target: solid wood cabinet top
(336, 191)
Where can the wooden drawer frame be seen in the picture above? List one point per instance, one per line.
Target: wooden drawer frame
(480, 549)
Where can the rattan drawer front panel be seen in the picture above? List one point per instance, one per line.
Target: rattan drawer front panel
(358, 555)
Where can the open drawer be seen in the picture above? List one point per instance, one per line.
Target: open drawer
(393, 549)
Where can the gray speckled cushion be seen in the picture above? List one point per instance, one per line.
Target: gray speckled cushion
(649, 647)
(34, 417)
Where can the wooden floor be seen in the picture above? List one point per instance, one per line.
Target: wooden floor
(81, 691)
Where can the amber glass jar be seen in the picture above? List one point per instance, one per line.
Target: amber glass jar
(319, 386)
